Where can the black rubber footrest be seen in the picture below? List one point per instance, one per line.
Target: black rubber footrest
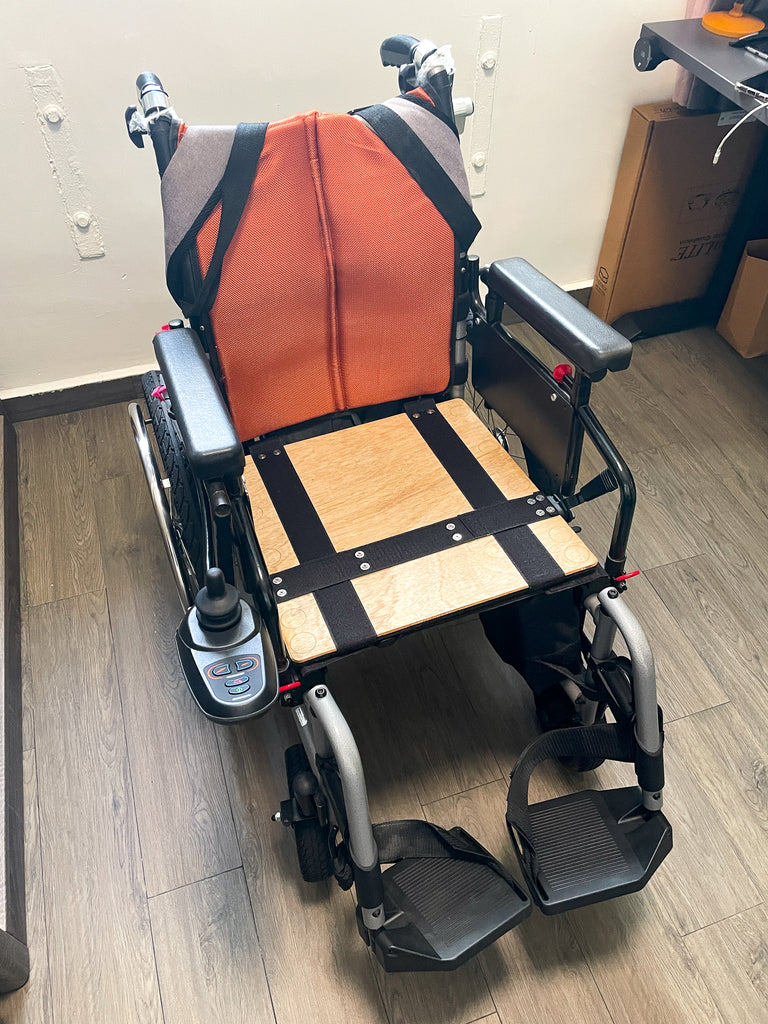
(592, 846)
(441, 912)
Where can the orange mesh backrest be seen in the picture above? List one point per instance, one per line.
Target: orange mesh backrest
(337, 289)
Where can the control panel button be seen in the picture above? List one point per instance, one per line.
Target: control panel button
(242, 688)
(219, 669)
(245, 664)
(235, 680)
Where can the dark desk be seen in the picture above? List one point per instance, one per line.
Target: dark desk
(713, 61)
(707, 56)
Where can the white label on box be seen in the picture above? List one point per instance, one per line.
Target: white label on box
(729, 117)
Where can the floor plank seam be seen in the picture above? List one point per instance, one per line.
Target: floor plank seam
(488, 985)
(245, 878)
(699, 711)
(154, 956)
(195, 881)
(69, 597)
(595, 982)
(43, 900)
(263, 964)
(119, 678)
(728, 917)
(217, 734)
(240, 853)
(463, 792)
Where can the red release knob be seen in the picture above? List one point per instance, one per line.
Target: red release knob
(627, 576)
(562, 371)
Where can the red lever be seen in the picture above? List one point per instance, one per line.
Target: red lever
(290, 686)
(165, 327)
(627, 576)
(160, 392)
(561, 371)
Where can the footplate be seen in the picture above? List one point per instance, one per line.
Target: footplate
(439, 912)
(591, 846)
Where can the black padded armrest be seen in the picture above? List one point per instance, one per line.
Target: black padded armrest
(582, 337)
(213, 448)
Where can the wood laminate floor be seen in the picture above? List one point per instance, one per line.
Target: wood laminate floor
(160, 891)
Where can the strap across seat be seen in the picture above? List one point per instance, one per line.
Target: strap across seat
(375, 529)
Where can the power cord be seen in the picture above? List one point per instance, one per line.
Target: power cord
(750, 113)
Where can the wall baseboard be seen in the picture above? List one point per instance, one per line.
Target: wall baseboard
(126, 389)
(85, 396)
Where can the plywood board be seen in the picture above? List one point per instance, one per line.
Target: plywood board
(381, 479)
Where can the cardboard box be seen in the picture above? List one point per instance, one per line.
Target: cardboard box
(671, 208)
(744, 322)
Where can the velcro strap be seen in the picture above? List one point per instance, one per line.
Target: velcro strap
(235, 188)
(425, 170)
(477, 486)
(603, 739)
(316, 574)
(233, 191)
(339, 605)
(417, 839)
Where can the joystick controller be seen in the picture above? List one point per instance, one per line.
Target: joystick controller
(218, 603)
(225, 654)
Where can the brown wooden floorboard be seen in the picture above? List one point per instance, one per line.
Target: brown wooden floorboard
(58, 523)
(32, 1004)
(99, 942)
(731, 956)
(185, 821)
(147, 811)
(208, 957)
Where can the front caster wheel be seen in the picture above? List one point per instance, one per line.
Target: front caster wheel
(312, 838)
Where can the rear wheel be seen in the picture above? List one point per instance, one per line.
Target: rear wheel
(312, 838)
(184, 500)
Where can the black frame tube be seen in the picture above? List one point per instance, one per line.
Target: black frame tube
(160, 134)
(617, 553)
(256, 575)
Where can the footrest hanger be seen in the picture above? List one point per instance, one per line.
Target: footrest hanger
(445, 898)
(589, 846)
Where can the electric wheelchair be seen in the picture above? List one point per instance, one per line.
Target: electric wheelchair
(322, 485)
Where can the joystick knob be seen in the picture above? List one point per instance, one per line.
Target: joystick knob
(218, 603)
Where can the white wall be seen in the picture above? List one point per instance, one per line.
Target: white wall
(565, 86)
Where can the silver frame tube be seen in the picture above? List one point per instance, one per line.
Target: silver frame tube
(362, 845)
(605, 630)
(159, 503)
(647, 731)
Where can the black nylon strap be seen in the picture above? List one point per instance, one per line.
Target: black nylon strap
(469, 476)
(315, 574)
(425, 170)
(339, 604)
(535, 563)
(522, 547)
(292, 503)
(604, 739)
(417, 839)
(235, 188)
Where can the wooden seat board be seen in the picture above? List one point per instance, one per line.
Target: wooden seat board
(379, 479)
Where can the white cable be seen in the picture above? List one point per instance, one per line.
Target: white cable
(738, 125)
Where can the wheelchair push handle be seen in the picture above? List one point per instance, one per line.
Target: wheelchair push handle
(398, 50)
(152, 95)
(153, 116)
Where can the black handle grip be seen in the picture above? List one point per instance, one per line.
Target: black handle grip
(397, 50)
(148, 80)
(152, 95)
